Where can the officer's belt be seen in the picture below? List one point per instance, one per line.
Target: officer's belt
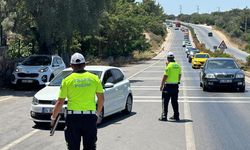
(81, 112)
(172, 83)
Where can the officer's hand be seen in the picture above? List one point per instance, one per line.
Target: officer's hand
(161, 88)
(99, 118)
(52, 122)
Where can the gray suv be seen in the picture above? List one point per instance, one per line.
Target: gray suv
(37, 69)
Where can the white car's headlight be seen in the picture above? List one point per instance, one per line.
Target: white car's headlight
(240, 76)
(17, 69)
(44, 69)
(210, 75)
(35, 101)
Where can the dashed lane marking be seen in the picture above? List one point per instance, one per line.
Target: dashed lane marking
(19, 140)
(6, 98)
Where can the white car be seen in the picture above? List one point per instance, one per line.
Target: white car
(117, 94)
(37, 69)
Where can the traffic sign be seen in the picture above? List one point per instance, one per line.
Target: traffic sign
(222, 45)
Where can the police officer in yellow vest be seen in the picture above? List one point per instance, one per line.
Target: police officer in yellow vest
(80, 88)
(170, 87)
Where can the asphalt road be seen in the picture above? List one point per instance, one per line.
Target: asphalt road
(215, 40)
(216, 120)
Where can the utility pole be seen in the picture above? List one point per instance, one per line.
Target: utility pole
(218, 9)
(245, 20)
(198, 9)
(180, 9)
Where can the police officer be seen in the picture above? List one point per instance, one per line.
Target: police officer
(170, 87)
(80, 88)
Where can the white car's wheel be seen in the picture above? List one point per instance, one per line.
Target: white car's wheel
(129, 105)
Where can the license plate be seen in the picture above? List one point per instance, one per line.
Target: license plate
(225, 81)
(50, 110)
(47, 110)
(27, 81)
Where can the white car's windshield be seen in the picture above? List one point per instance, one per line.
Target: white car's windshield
(58, 79)
(37, 61)
(222, 64)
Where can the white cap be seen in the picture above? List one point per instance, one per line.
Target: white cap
(77, 58)
(170, 54)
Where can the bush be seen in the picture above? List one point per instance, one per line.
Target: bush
(248, 60)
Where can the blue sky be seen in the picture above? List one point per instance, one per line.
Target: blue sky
(205, 6)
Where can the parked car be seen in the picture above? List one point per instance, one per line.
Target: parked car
(199, 59)
(37, 69)
(210, 34)
(191, 55)
(117, 94)
(222, 72)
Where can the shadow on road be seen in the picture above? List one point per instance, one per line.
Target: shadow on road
(134, 81)
(181, 121)
(113, 119)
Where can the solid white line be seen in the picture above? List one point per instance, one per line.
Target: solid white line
(143, 70)
(190, 101)
(189, 132)
(190, 97)
(247, 79)
(4, 99)
(19, 140)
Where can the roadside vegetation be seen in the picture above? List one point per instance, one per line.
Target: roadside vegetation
(234, 23)
(99, 29)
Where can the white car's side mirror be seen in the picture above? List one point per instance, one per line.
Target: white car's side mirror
(108, 85)
(47, 83)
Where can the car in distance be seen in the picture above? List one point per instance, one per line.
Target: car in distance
(199, 59)
(189, 49)
(191, 55)
(210, 34)
(37, 69)
(117, 94)
(222, 72)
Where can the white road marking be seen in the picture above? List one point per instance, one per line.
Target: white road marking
(189, 132)
(158, 89)
(192, 97)
(192, 101)
(157, 79)
(247, 79)
(6, 98)
(19, 140)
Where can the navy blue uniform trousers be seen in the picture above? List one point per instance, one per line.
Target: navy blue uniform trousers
(170, 91)
(81, 126)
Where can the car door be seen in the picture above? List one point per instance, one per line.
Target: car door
(110, 94)
(120, 87)
(202, 74)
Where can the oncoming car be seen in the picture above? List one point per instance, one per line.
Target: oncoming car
(117, 94)
(199, 59)
(222, 72)
(37, 69)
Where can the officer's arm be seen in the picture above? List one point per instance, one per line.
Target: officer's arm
(58, 107)
(164, 78)
(179, 77)
(100, 102)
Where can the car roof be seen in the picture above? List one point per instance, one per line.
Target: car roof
(220, 58)
(95, 67)
(201, 53)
